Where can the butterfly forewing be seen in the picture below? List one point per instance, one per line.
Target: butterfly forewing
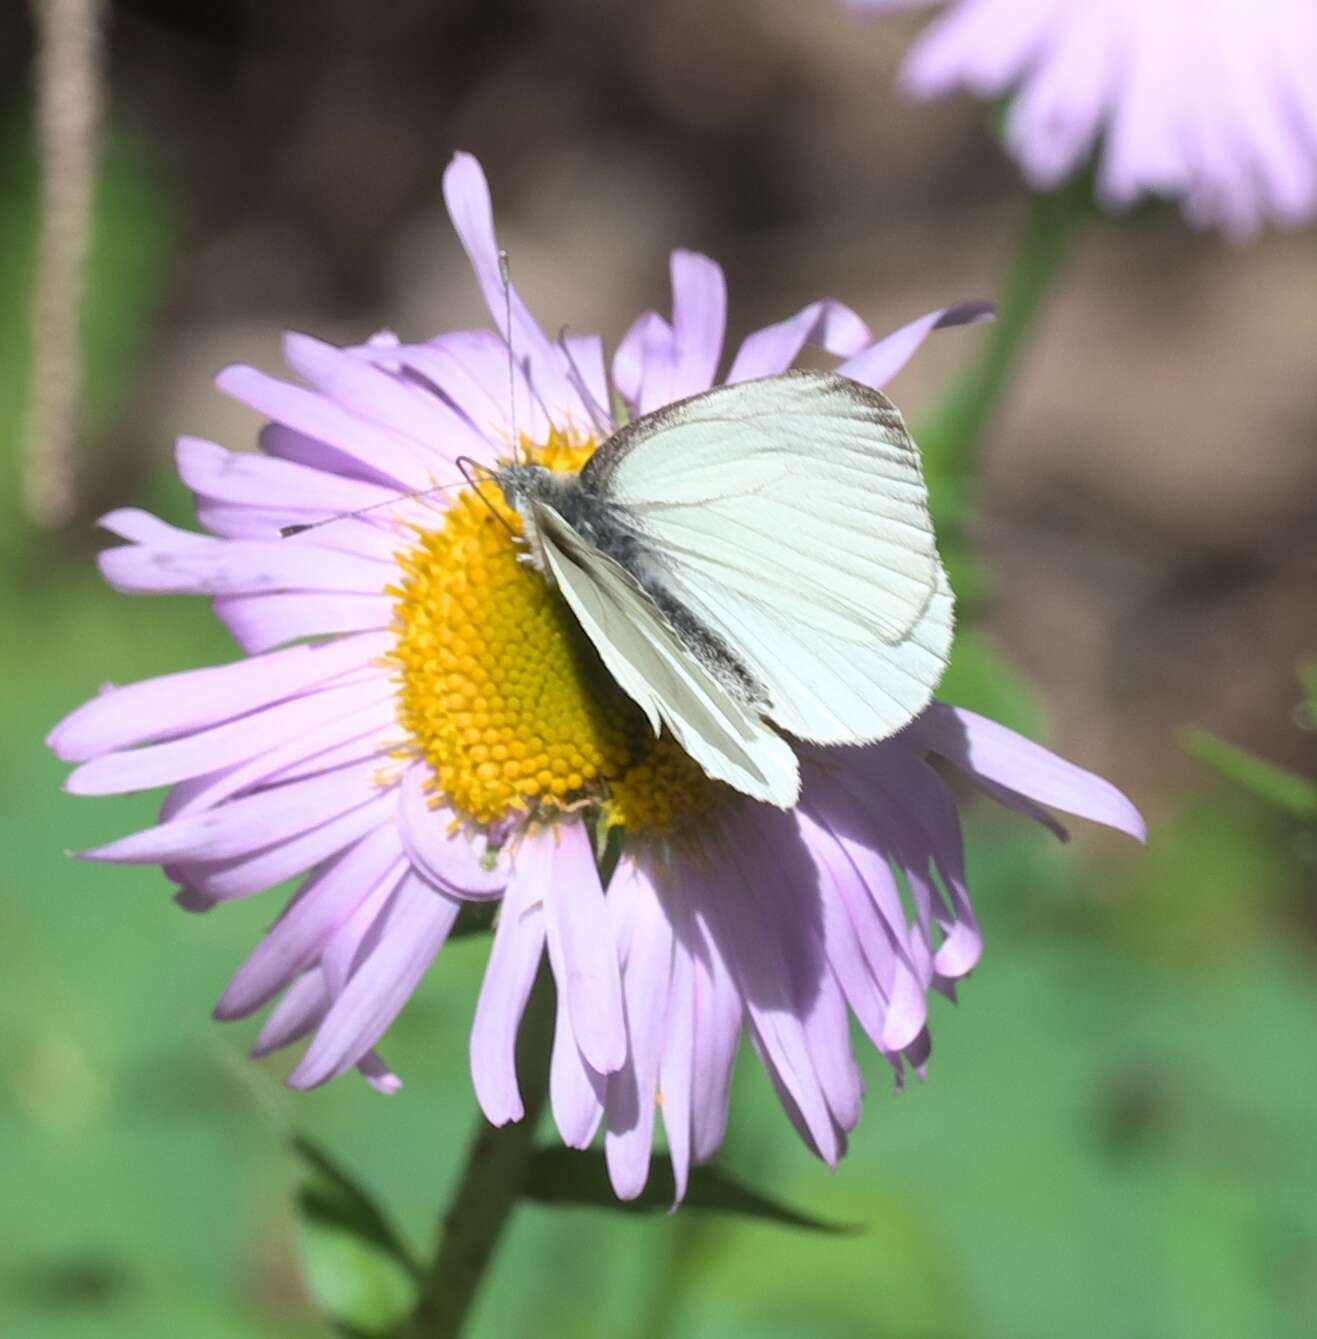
(652, 666)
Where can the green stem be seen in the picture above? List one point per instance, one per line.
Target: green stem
(951, 440)
(491, 1182)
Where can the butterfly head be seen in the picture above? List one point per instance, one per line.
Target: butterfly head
(523, 486)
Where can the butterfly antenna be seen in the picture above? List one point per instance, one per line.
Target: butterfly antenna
(602, 422)
(466, 464)
(505, 275)
(288, 531)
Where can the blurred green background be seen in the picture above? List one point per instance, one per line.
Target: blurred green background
(1119, 1131)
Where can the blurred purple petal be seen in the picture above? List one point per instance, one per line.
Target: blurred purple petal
(831, 325)
(699, 320)
(1218, 113)
(879, 363)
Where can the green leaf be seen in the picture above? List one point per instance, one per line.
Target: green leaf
(357, 1267)
(1285, 789)
(567, 1177)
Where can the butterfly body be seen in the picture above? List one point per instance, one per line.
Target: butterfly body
(754, 560)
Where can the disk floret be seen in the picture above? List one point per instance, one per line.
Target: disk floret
(502, 694)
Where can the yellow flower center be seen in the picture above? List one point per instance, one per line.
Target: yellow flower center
(504, 696)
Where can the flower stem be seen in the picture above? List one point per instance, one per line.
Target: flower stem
(951, 440)
(491, 1182)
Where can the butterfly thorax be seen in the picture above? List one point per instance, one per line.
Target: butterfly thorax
(601, 523)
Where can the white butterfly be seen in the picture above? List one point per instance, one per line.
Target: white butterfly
(757, 556)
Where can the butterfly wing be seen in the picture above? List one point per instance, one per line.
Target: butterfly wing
(653, 667)
(803, 489)
(790, 515)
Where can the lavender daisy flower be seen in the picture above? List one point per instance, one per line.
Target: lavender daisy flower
(1214, 104)
(447, 735)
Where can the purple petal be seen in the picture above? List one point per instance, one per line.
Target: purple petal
(833, 1148)
(509, 975)
(657, 352)
(585, 355)
(419, 922)
(302, 1007)
(1020, 804)
(259, 623)
(649, 334)
(378, 1074)
(581, 949)
(972, 46)
(157, 709)
(762, 966)
(386, 456)
(767, 352)
(718, 1016)
(1052, 125)
(870, 888)
(142, 528)
(576, 1089)
(388, 400)
(240, 567)
(645, 988)
(471, 368)
(358, 935)
(676, 1070)
(294, 942)
(466, 194)
(379, 741)
(350, 738)
(984, 748)
(699, 319)
(918, 820)
(246, 824)
(865, 988)
(229, 879)
(381, 399)
(245, 477)
(449, 857)
(222, 745)
(379, 535)
(879, 363)
(818, 1000)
